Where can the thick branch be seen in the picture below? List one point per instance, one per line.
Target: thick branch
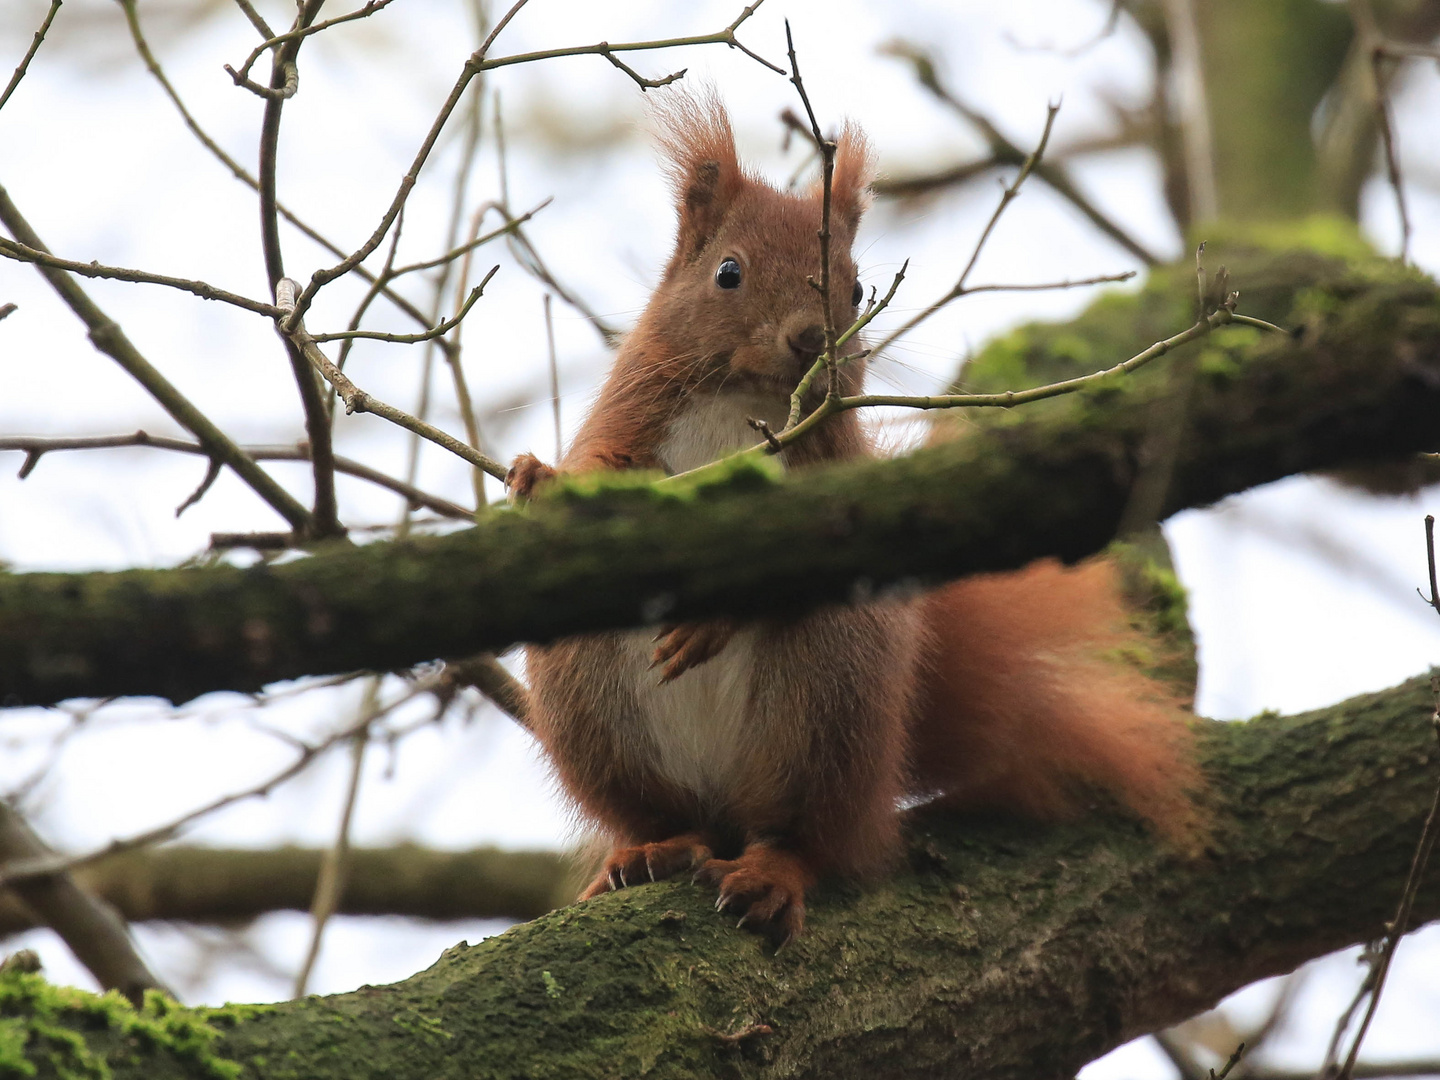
(1360, 384)
(213, 885)
(90, 928)
(997, 950)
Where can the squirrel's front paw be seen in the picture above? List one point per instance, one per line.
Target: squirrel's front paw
(686, 645)
(527, 473)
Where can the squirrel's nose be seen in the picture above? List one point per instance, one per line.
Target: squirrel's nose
(807, 342)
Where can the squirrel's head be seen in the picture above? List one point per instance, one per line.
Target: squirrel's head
(736, 301)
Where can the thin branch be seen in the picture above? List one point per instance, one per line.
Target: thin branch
(1194, 107)
(473, 67)
(906, 187)
(529, 259)
(256, 20)
(1003, 151)
(797, 399)
(510, 227)
(554, 380)
(330, 881)
(35, 446)
(371, 6)
(1047, 286)
(357, 400)
(1370, 36)
(21, 252)
(1004, 400)
(1380, 958)
(411, 339)
(241, 173)
(28, 869)
(474, 128)
(386, 273)
(107, 336)
(1007, 196)
(827, 164)
(30, 53)
(317, 415)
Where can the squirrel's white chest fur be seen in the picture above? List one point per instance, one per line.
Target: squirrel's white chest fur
(709, 426)
(698, 723)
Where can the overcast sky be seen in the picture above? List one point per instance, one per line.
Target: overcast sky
(1302, 593)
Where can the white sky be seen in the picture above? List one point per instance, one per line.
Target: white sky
(100, 164)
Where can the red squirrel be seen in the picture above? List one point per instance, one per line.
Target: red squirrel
(768, 754)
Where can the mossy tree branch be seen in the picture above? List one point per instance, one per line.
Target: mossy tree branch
(999, 949)
(1359, 383)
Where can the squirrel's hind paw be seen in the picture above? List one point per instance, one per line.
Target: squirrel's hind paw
(767, 885)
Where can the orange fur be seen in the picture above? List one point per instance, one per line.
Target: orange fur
(1026, 701)
(785, 746)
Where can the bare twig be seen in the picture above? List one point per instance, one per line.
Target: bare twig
(242, 174)
(330, 881)
(1381, 952)
(22, 252)
(28, 869)
(554, 379)
(356, 400)
(256, 20)
(510, 227)
(1007, 196)
(529, 259)
(107, 336)
(30, 53)
(1004, 400)
(410, 339)
(1373, 43)
(1049, 286)
(1003, 151)
(371, 6)
(477, 63)
(35, 446)
(1194, 107)
(385, 275)
(797, 398)
(317, 415)
(827, 163)
(89, 926)
(1434, 598)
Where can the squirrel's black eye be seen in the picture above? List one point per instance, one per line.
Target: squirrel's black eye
(857, 294)
(728, 276)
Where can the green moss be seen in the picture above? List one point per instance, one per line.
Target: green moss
(1325, 234)
(41, 1023)
(1159, 610)
(738, 473)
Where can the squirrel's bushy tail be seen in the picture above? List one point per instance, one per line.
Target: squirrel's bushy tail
(1028, 700)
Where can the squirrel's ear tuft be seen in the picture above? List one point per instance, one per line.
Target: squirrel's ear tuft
(854, 169)
(694, 134)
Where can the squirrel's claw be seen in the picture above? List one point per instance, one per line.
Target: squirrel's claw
(766, 886)
(629, 866)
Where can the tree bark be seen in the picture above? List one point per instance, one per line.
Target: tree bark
(1358, 381)
(997, 949)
